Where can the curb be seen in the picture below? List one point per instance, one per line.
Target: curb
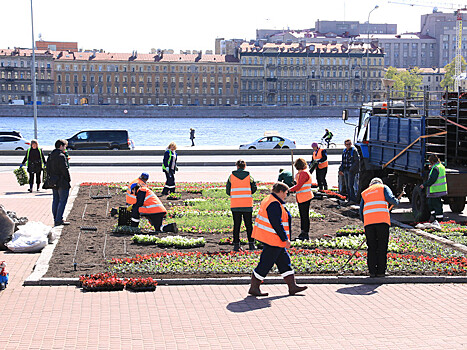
(50, 281)
(42, 263)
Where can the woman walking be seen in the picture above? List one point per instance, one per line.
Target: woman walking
(272, 228)
(303, 197)
(34, 161)
(169, 167)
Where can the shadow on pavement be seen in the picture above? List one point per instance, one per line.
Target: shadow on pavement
(251, 303)
(364, 289)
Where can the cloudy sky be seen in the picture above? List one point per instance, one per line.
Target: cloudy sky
(124, 26)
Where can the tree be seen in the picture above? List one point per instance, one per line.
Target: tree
(404, 79)
(449, 75)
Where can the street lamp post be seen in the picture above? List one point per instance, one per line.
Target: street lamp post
(367, 88)
(33, 72)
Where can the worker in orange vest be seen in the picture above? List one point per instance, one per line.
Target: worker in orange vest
(240, 187)
(304, 196)
(320, 161)
(272, 228)
(141, 180)
(374, 213)
(150, 206)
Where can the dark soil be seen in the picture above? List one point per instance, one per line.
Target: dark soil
(81, 252)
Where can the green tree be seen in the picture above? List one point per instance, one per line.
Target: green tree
(449, 75)
(404, 79)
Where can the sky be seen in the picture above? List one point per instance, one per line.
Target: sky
(125, 26)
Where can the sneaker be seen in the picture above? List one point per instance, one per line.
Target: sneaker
(60, 223)
(29, 189)
(2, 286)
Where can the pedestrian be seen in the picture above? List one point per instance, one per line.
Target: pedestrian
(304, 196)
(192, 136)
(142, 181)
(437, 188)
(35, 162)
(240, 187)
(169, 167)
(272, 228)
(57, 168)
(320, 160)
(150, 206)
(286, 177)
(349, 168)
(374, 213)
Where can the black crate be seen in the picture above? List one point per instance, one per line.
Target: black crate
(124, 217)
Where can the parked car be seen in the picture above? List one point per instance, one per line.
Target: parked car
(100, 139)
(10, 142)
(163, 105)
(270, 142)
(17, 102)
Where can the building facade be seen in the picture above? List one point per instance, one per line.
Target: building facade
(146, 79)
(16, 73)
(310, 74)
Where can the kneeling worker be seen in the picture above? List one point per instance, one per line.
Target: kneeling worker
(272, 228)
(150, 206)
(141, 180)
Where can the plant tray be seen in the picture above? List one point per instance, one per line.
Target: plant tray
(88, 228)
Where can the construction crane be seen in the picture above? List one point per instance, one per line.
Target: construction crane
(458, 9)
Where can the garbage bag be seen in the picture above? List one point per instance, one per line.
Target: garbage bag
(7, 227)
(30, 238)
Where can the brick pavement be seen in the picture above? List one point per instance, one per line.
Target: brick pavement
(422, 316)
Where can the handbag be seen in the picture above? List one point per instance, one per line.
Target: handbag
(50, 182)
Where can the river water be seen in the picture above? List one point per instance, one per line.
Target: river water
(159, 132)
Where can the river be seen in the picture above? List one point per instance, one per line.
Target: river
(160, 132)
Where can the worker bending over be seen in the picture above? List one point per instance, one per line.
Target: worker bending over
(150, 206)
(141, 180)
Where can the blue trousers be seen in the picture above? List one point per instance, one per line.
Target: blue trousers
(349, 179)
(273, 255)
(60, 197)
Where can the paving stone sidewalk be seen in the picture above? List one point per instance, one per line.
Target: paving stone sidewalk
(403, 316)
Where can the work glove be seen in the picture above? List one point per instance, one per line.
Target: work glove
(129, 208)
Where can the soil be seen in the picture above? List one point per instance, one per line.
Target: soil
(81, 252)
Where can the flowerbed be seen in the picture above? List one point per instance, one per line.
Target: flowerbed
(303, 261)
(352, 230)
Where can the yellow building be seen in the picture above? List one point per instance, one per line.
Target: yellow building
(146, 79)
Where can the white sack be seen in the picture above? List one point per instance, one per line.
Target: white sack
(30, 238)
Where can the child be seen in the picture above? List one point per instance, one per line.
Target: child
(3, 275)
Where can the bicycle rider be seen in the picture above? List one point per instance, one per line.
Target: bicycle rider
(327, 137)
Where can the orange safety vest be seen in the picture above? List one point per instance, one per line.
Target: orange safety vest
(375, 206)
(304, 193)
(131, 198)
(240, 192)
(317, 156)
(152, 204)
(263, 230)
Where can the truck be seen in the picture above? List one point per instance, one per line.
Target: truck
(395, 137)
